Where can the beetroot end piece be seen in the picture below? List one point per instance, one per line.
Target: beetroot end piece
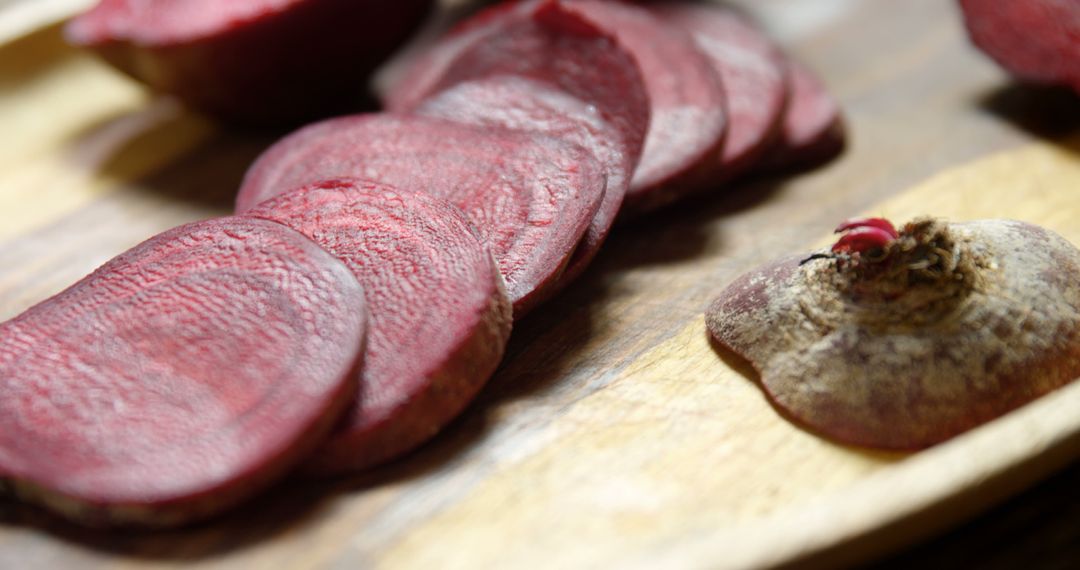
(867, 356)
(253, 62)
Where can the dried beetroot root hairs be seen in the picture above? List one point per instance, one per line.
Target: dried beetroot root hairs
(181, 377)
(251, 61)
(531, 197)
(439, 317)
(951, 326)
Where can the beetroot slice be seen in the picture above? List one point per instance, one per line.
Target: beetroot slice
(813, 129)
(253, 61)
(551, 71)
(688, 115)
(439, 318)
(1035, 40)
(181, 377)
(523, 104)
(991, 324)
(752, 70)
(531, 197)
(415, 78)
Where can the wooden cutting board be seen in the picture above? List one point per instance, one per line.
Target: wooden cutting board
(613, 435)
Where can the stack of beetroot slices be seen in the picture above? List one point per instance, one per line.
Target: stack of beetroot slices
(365, 290)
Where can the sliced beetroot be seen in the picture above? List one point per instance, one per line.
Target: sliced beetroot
(522, 104)
(531, 197)
(813, 128)
(253, 61)
(905, 345)
(181, 377)
(439, 317)
(551, 71)
(415, 78)
(688, 116)
(1035, 40)
(754, 76)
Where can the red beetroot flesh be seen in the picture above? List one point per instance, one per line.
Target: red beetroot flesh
(550, 71)
(531, 197)
(415, 78)
(181, 377)
(525, 105)
(753, 73)
(1036, 40)
(688, 116)
(439, 318)
(254, 61)
(813, 128)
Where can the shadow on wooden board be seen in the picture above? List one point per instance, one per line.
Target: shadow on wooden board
(208, 174)
(683, 230)
(1051, 113)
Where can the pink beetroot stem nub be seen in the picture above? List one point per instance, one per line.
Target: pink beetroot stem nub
(863, 238)
(880, 223)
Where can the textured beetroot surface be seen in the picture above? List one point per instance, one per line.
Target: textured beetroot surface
(914, 368)
(813, 128)
(252, 61)
(1036, 40)
(753, 73)
(531, 197)
(417, 76)
(549, 70)
(180, 377)
(688, 119)
(439, 318)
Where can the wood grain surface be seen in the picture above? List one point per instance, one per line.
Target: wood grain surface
(612, 434)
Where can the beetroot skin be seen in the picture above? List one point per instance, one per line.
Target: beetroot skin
(252, 61)
(531, 197)
(549, 70)
(754, 76)
(1035, 40)
(439, 317)
(181, 377)
(903, 342)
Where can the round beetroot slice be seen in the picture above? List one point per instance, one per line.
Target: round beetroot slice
(522, 104)
(531, 197)
(439, 318)
(252, 61)
(813, 129)
(688, 114)
(552, 71)
(753, 73)
(552, 45)
(1036, 40)
(181, 377)
(417, 76)
(883, 375)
